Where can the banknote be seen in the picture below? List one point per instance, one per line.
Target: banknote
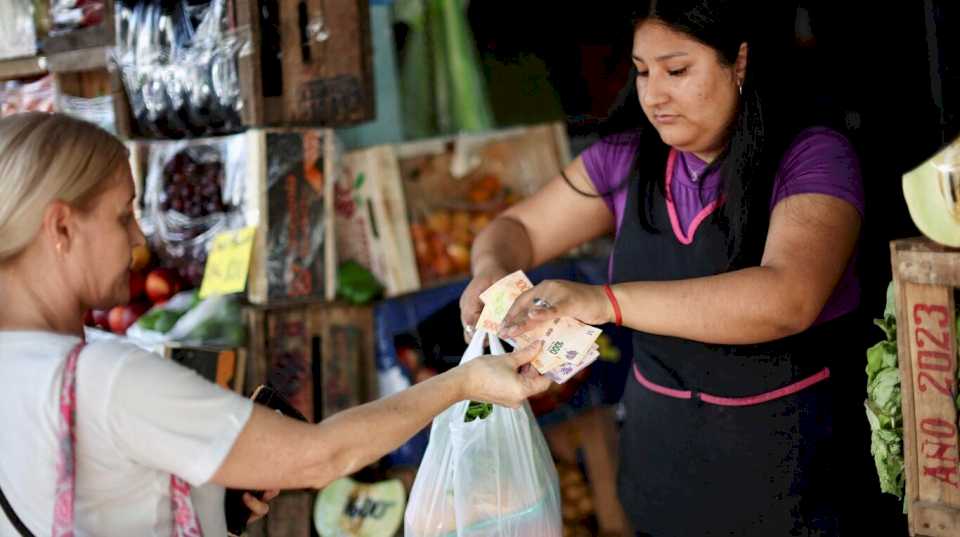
(565, 341)
(499, 298)
(567, 371)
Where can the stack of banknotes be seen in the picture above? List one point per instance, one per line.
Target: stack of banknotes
(569, 345)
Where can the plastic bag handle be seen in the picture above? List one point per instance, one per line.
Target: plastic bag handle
(475, 349)
(495, 346)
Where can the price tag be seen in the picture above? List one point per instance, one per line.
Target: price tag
(228, 263)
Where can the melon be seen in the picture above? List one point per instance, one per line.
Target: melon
(932, 191)
(346, 508)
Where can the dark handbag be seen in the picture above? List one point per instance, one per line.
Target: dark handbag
(14, 519)
(237, 512)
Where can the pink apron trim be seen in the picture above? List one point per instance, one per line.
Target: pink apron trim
(185, 521)
(733, 401)
(685, 238)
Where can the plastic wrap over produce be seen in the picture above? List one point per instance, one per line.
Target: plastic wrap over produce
(37, 96)
(193, 191)
(18, 36)
(178, 62)
(486, 474)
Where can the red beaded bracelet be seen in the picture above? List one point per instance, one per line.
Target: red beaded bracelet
(616, 306)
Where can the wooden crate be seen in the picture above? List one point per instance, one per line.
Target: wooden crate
(371, 224)
(926, 275)
(320, 356)
(315, 82)
(404, 184)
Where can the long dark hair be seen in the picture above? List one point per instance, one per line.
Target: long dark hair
(759, 134)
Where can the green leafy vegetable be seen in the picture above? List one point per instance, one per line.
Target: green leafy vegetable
(477, 411)
(883, 403)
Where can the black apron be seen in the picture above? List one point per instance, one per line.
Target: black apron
(690, 468)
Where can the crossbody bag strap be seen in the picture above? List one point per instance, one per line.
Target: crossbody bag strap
(12, 515)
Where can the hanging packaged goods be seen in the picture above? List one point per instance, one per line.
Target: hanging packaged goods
(193, 71)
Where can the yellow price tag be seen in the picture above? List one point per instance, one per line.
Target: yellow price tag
(228, 263)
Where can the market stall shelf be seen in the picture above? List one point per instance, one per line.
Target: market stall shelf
(926, 275)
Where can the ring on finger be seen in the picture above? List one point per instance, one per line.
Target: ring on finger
(541, 303)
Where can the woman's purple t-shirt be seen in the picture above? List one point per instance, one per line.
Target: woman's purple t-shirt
(819, 161)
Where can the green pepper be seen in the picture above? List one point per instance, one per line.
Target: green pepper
(356, 284)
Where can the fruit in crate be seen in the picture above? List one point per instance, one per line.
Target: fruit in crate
(193, 187)
(120, 318)
(100, 318)
(162, 283)
(138, 284)
(140, 258)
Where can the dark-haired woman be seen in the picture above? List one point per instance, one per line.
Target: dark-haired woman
(736, 231)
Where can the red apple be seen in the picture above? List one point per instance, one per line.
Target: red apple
(101, 319)
(122, 317)
(138, 283)
(88, 319)
(162, 283)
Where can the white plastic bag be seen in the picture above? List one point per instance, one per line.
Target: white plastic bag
(491, 477)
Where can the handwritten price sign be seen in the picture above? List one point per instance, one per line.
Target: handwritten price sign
(228, 263)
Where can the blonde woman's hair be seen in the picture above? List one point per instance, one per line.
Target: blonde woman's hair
(47, 157)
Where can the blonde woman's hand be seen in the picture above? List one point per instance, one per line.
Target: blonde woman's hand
(259, 507)
(505, 380)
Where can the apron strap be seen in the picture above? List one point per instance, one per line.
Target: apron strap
(185, 521)
(790, 389)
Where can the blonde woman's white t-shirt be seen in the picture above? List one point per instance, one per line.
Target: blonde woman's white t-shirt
(140, 418)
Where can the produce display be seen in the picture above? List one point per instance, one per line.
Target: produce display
(193, 191)
(442, 237)
(455, 186)
(149, 285)
(883, 404)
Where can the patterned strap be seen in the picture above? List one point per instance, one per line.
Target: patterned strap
(66, 440)
(185, 521)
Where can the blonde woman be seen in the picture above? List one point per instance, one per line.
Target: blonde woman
(106, 439)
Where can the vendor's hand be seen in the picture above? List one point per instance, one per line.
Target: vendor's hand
(259, 507)
(505, 380)
(557, 298)
(470, 304)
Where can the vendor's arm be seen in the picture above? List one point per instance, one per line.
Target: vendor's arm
(545, 225)
(809, 244)
(277, 452)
